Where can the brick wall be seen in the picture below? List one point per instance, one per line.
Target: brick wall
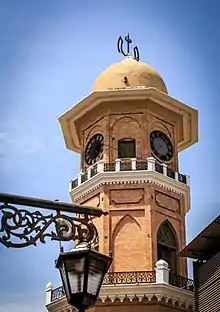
(149, 307)
(128, 119)
(130, 229)
(135, 213)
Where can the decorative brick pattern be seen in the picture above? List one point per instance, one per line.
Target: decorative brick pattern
(136, 208)
(168, 202)
(142, 118)
(126, 196)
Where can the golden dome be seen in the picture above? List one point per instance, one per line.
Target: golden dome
(129, 73)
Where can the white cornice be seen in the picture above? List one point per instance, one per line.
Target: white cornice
(131, 177)
(148, 290)
(130, 292)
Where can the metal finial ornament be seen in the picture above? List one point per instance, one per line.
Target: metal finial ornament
(129, 41)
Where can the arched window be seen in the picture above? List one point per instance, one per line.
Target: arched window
(167, 245)
(126, 148)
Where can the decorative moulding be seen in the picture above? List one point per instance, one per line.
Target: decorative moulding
(129, 177)
(127, 196)
(134, 295)
(167, 202)
(146, 293)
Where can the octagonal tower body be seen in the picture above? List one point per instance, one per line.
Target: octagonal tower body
(146, 198)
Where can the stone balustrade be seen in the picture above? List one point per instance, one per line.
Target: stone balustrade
(160, 276)
(150, 164)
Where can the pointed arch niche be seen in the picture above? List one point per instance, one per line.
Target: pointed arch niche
(167, 245)
(127, 245)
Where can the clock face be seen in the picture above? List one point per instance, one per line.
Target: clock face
(94, 149)
(161, 145)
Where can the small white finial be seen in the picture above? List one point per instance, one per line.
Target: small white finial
(49, 287)
(162, 264)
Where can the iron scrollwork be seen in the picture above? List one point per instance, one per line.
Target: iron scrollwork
(21, 228)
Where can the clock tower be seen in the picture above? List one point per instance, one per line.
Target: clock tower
(129, 132)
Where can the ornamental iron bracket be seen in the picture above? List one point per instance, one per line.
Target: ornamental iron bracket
(21, 228)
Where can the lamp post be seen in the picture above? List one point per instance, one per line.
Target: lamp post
(82, 270)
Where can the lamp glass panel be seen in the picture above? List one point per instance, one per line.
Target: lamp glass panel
(96, 271)
(64, 277)
(76, 269)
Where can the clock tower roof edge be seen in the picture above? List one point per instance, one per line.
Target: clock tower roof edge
(187, 127)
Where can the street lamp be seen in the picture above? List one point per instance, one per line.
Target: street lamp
(82, 269)
(82, 272)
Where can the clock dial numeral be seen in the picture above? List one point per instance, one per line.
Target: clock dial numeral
(94, 149)
(161, 145)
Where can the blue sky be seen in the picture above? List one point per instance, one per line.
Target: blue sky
(50, 55)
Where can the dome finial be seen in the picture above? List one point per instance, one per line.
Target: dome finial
(129, 41)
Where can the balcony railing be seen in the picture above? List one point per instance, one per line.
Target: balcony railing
(181, 282)
(113, 278)
(150, 164)
(129, 277)
(57, 293)
(145, 277)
